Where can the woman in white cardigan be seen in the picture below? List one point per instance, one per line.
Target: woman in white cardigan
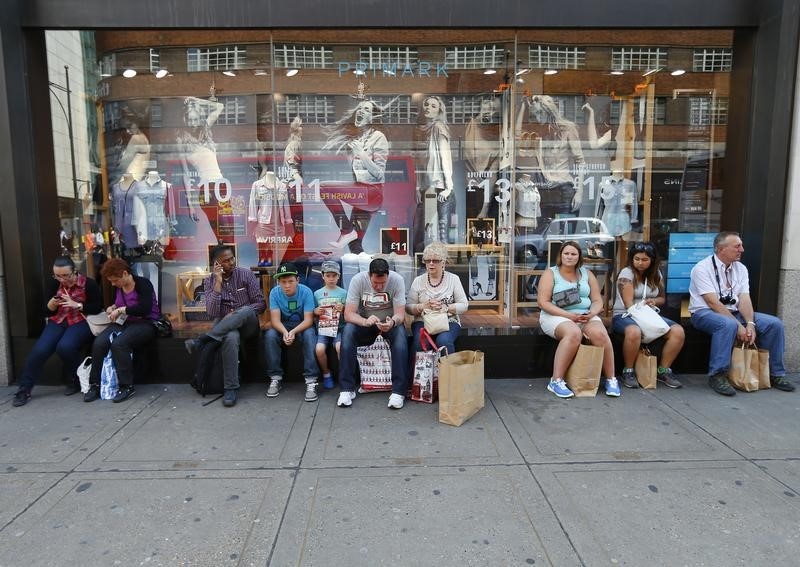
(437, 290)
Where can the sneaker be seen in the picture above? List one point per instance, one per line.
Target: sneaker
(781, 383)
(274, 388)
(344, 239)
(93, 393)
(345, 399)
(612, 387)
(21, 398)
(71, 389)
(229, 399)
(311, 392)
(629, 379)
(559, 388)
(123, 393)
(719, 383)
(669, 379)
(396, 401)
(327, 382)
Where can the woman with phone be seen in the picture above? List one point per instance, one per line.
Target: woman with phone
(71, 296)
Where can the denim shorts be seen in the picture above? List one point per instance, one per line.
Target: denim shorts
(618, 323)
(325, 340)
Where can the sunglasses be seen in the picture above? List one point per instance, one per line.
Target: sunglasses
(643, 247)
(62, 277)
(431, 261)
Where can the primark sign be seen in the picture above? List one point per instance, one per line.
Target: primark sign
(418, 69)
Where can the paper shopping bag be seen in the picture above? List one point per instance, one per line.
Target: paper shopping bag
(583, 375)
(460, 386)
(425, 373)
(744, 370)
(375, 365)
(646, 367)
(763, 369)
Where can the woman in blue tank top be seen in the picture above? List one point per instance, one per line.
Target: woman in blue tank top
(570, 300)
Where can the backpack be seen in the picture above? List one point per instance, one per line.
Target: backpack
(208, 370)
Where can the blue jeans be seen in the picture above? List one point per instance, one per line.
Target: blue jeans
(67, 342)
(229, 330)
(134, 335)
(443, 339)
(354, 336)
(273, 343)
(769, 336)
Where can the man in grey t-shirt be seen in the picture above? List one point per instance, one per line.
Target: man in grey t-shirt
(376, 303)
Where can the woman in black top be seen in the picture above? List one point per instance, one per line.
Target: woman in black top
(70, 297)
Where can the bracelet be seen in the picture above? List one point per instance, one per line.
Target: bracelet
(751, 323)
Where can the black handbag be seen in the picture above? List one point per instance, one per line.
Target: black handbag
(163, 327)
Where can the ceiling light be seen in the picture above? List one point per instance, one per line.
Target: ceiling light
(522, 72)
(520, 80)
(651, 71)
(161, 73)
(551, 72)
(292, 72)
(678, 72)
(617, 73)
(489, 72)
(359, 72)
(260, 72)
(229, 73)
(129, 73)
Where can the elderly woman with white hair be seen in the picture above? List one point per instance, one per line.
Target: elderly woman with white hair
(436, 290)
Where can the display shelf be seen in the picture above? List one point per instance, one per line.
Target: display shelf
(185, 282)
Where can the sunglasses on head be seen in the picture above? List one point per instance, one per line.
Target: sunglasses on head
(644, 247)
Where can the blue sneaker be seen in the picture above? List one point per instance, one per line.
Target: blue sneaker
(327, 382)
(559, 388)
(612, 387)
(229, 400)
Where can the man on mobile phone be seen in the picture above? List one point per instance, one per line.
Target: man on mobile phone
(234, 299)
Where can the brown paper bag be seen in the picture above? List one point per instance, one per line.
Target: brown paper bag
(583, 375)
(763, 369)
(460, 386)
(646, 367)
(744, 371)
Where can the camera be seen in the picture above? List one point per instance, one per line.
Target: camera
(727, 299)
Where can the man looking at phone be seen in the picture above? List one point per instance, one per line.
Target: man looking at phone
(234, 299)
(720, 305)
(376, 304)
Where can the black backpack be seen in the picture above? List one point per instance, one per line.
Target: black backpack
(208, 370)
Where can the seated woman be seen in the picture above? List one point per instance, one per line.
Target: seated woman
(71, 296)
(567, 319)
(132, 314)
(436, 290)
(640, 279)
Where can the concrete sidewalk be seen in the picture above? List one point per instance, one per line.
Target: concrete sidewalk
(664, 477)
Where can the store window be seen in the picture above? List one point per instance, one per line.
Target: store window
(290, 146)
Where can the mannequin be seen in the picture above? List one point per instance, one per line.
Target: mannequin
(123, 207)
(136, 154)
(528, 202)
(293, 154)
(269, 208)
(151, 218)
(618, 203)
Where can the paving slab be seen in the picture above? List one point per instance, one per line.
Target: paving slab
(637, 426)
(755, 424)
(22, 489)
(55, 433)
(787, 472)
(371, 434)
(709, 514)
(179, 432)
(151, 519)
(460, 516)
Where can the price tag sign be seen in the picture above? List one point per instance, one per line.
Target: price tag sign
(394, 240)
(481, 231)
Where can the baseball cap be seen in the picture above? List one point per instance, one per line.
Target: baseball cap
(287, 269)
(330, 266)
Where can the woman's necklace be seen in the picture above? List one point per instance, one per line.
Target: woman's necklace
(430, 284)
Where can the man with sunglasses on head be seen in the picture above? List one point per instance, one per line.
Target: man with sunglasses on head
(720, 305)
(235, 300)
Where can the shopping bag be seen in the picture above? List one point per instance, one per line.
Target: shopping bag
(583, 375)
(425, 381)
(85, 370)
(108, 373)
(375, 364)
(763, 369)
(744, 371)
(460, 386)
(646, 367)
(435, 321)
(648, 320)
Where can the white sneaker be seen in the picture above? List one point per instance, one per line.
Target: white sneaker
(345, 399)
(274, 388)
(311, 392)
(396, 401)
(344, 239)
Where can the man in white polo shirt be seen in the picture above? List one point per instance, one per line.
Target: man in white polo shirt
(720, 306)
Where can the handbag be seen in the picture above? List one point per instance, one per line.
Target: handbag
(567, 297)
(745, 368)
(425, 384)
(98, 323)
(375, 365)
(163, 326)
(648, 320)
(461, 393)
(435, 321)
(84, 371)
(583, 375)
(646, 367)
